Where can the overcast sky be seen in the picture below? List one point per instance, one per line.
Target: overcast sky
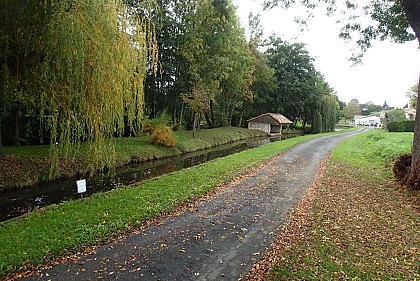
(388, 70)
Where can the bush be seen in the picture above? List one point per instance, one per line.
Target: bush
(163, 136)
(400, 126)
(161, 121)
(408, 125)
(405, 174)
(392, 126)
(148, 127)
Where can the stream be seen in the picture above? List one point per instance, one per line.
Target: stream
(18, 202)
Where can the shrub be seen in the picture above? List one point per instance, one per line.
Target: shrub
(163, 136)
(400, 126)
(408, 125)
(148, 127)
(392, 126)
(161, 121)
(405, 173)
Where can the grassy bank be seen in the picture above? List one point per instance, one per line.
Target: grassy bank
(28, 165)
(358, 225)
(69, 227)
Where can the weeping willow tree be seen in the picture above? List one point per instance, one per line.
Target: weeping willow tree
(86, 80)
(328, 112)
(325, 117)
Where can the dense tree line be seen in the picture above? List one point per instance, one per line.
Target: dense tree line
(205, 67)
(210, 72)
(76, 70)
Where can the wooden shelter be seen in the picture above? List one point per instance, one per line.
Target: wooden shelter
(271, 123)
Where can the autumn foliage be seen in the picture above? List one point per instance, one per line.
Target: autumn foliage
(163, 136)
(159, 131)
(405, 173)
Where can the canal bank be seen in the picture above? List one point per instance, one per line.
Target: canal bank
(18, 202)
(25, 166)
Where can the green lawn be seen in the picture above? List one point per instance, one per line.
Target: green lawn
(357, 224)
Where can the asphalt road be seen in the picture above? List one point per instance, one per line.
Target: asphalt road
(220, 238)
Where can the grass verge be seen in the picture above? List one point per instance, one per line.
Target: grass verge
(357, 225)
(66, 228)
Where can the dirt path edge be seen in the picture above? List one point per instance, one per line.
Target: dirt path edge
(290, 232)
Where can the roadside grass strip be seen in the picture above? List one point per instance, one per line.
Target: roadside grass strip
(60, 230)
(359, 226)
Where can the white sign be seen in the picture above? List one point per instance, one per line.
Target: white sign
(81, 186)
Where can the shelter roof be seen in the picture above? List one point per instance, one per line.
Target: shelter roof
(272, 119)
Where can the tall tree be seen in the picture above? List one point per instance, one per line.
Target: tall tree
(163, 91)
(296, 79)
(352, 109)
(328, 110)
(412, 96)
(395, 19)
(395, 115)
(198, 102)
(217, 53)
(81, 64)
(263, 88)
(200, 42)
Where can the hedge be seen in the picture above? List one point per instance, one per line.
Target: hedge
(400, 126)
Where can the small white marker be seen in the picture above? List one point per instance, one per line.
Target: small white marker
(81, 187)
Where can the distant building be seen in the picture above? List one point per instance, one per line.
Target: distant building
(271, 123)
(371, 120)
(410, 113)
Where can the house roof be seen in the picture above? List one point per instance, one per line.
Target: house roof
(272, 119)
(360, 117)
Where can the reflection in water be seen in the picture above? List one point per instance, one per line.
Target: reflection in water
(16, 203)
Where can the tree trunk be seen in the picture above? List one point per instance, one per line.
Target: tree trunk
(1, 144)
(213, 123)
(416, 141)
(16, 136)
(242, 116)
(207, 116)
(194, 121)
(240, 120)
(412, 10)
(174, 119)
(232, 110)
(181, 115)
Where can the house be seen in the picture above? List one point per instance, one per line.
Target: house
(410, 113)
(371, 120)
(271, 123)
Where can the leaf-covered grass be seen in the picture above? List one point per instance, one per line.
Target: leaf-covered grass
(69, 227)
(28, 165)
(358, 225)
